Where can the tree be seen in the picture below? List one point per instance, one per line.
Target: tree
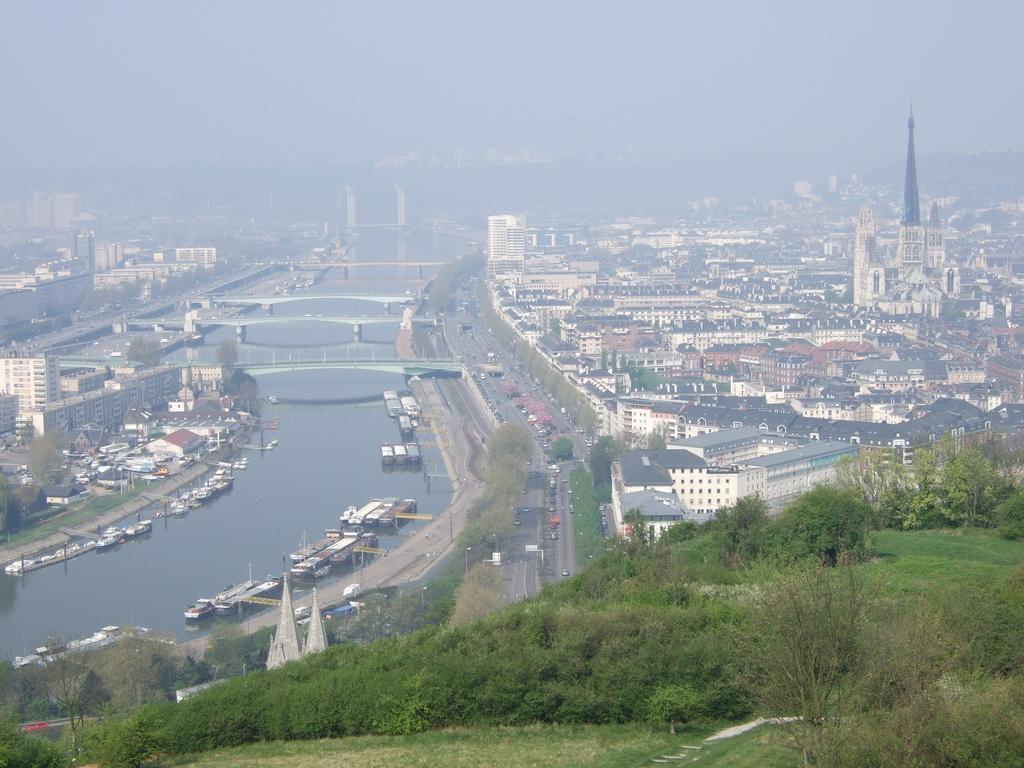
(805, 646)
(740, 529)
(18, 750)
(970, 487)
(44, 459)
(74, 686)
(1010, 516)
(227, 354)
(656, 440)
(874, 475)
(561, 449)
(602, 454)
(827, 523)
(145, 351)
(136, 671)
(482, 591)
(641, 537)
(7, 504)
(674, 704)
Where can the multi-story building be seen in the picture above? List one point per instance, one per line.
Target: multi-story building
(206, 256)
(85, 249)
(1008, 371)
(107, 407)
(506, 245)
(108, 256)
(34, 380)
(8, 413)
(82, 380)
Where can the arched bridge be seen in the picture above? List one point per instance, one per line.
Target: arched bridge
(244, 322)
(269, 301)
(423, 367)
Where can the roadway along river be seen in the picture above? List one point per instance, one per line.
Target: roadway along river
(328, 458)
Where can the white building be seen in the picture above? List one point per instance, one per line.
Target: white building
(506, 245)
(35, 380)
(108, 256)
(206, 256)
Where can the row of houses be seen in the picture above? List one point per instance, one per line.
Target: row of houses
(705, 474)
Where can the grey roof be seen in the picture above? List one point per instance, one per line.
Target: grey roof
(642, 467)
(720, 437)
(658, 506)
(811, 450)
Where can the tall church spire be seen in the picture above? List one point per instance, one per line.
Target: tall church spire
(911, 203)
(285, 645)
(316, 638)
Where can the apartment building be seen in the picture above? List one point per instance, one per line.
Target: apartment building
(34, 380)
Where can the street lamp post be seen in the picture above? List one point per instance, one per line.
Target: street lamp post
(423, 597)
(467, 558)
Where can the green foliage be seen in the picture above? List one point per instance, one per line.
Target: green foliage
(674, 704)
(448, 279)
(145, 351)
(590, 543)
(827, 524)
(227, 353)
(740, 529)
(20, 751)
(1010, 516)
(668, 631)
(232, 651)
(561, 449)
(124, 743)
(603, 454)
(44, 459)
(244, 388)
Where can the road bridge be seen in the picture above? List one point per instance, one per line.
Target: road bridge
(269, 301)
(345, 266)
(424, 367)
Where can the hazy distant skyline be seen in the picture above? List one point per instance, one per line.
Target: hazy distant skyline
(245, 82)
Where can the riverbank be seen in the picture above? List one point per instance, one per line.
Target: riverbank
(50, 540)
(428, 545)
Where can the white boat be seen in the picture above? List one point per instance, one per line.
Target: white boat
(107, 542)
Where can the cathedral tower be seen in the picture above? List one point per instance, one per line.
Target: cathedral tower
(868, 274)
(911, 248)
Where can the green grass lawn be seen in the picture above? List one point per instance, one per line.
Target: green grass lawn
(74, 517)
(911, 561)
(612, 746)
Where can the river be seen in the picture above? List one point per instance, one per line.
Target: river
(328, 458)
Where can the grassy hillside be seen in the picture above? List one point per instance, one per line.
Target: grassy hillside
(648, 632)
(910, 562)
(531, 747)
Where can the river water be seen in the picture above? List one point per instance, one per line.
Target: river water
(328, 458)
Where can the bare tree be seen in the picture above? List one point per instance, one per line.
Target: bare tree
(482, 591)
(70, 681)
(807, 649)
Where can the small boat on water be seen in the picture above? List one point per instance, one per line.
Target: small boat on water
(106, 541)
(200, 609)
(140, 528)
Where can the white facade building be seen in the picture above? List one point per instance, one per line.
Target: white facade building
(506, 245)
(35, 380)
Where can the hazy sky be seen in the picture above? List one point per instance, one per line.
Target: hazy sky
(297, 82)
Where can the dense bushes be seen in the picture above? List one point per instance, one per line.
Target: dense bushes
(535, 662)
(671, 630)
(20, 751)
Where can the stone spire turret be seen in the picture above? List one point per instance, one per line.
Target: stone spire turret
(285, 645)
(316, 637)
